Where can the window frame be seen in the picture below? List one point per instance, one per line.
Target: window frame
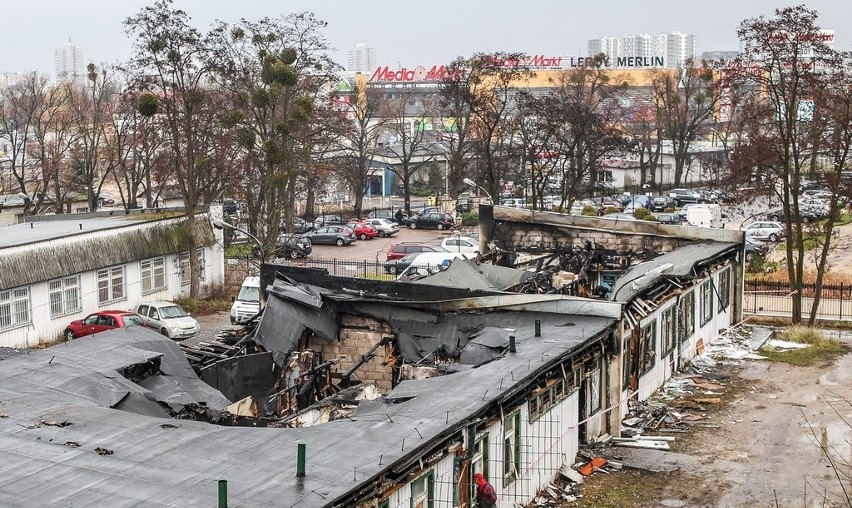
(647, 347)
(707, 296)
(724, 290)
(687, 316)
(19, 307)
(110, 275)
(150, 270)
(668, 329)
(69, 296)
(428, 479)
(183, 263)
(511, 442)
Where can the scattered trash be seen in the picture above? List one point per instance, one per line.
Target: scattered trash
(53, 423)
(3, 416)
(71, 444)
(168, 426)
(783, 345)
(103, 451)
(591, 466)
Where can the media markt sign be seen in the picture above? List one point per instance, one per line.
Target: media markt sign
(419, 73)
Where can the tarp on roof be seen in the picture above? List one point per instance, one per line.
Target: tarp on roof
(467, 273)
(678, 263)
(289, 311)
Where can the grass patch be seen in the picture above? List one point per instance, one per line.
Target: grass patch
(204, 306)
(819, 351)
(630, 488)
(238, 250)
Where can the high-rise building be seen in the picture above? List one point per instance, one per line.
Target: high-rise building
(673, 48)
(362, 58)
(69, 64)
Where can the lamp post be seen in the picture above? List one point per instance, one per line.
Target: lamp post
(220, 224)
(470, 182)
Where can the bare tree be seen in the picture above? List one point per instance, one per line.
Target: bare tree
(270, 70)
(168, 54)
(785, 61)
(360, 138)
(685, 100)
(410, 123)
(483, 88)
(92, 108)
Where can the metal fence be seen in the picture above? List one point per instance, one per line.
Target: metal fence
(360, 268)
(775, 298)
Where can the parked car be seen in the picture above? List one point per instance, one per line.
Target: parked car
(396, 266)
(293, 246)
(230, 206)
(662, 203)
(328, 220)
(400, 250)
(431, 262)
(247, 302)
(669, 218)
(764, 230)
(460, 244)
(632, 207)
(578, 206)
(683, 196)
(381, 214)
(426, 210)
(169, 319)
(362, 230)
(299, 225)
(385, 227)
(610, 204)
(100, 322)
(754, 248)
(433, 220)
(332, 235)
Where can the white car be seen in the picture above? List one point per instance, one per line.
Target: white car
(764, 230)
(463, 244)
(169, 319)
(385, 227)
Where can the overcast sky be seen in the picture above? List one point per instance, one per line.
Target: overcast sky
(402, 32)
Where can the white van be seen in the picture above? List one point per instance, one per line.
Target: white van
(247, 303)
(431, 262)
(706, 215)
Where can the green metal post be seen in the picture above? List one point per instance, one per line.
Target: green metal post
(223, 493)
(300, 457)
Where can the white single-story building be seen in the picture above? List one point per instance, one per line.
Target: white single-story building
(56, 269)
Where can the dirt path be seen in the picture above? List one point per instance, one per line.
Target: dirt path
(761, 448)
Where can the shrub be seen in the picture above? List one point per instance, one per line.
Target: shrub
(590, 210)
(642, 213)
(470, 219)
(669, 210)
(611, 209)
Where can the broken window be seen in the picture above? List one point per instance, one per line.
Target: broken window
(595, 392)
(706, 302)
(511, 447)
(184, 266)
(687, 316)
(647, 347)
(724, 290)
(626, 362)
(423, 491)
(479, 460)
(667, 329)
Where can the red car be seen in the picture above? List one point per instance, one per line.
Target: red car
(100, 322)
(400, 250)
(362, 230)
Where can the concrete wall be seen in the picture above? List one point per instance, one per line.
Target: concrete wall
(357, 335)
(523, 230)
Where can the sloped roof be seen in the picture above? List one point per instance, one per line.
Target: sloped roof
(678, 263)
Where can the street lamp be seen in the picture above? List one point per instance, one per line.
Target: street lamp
(220, 224)
(470, 182)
